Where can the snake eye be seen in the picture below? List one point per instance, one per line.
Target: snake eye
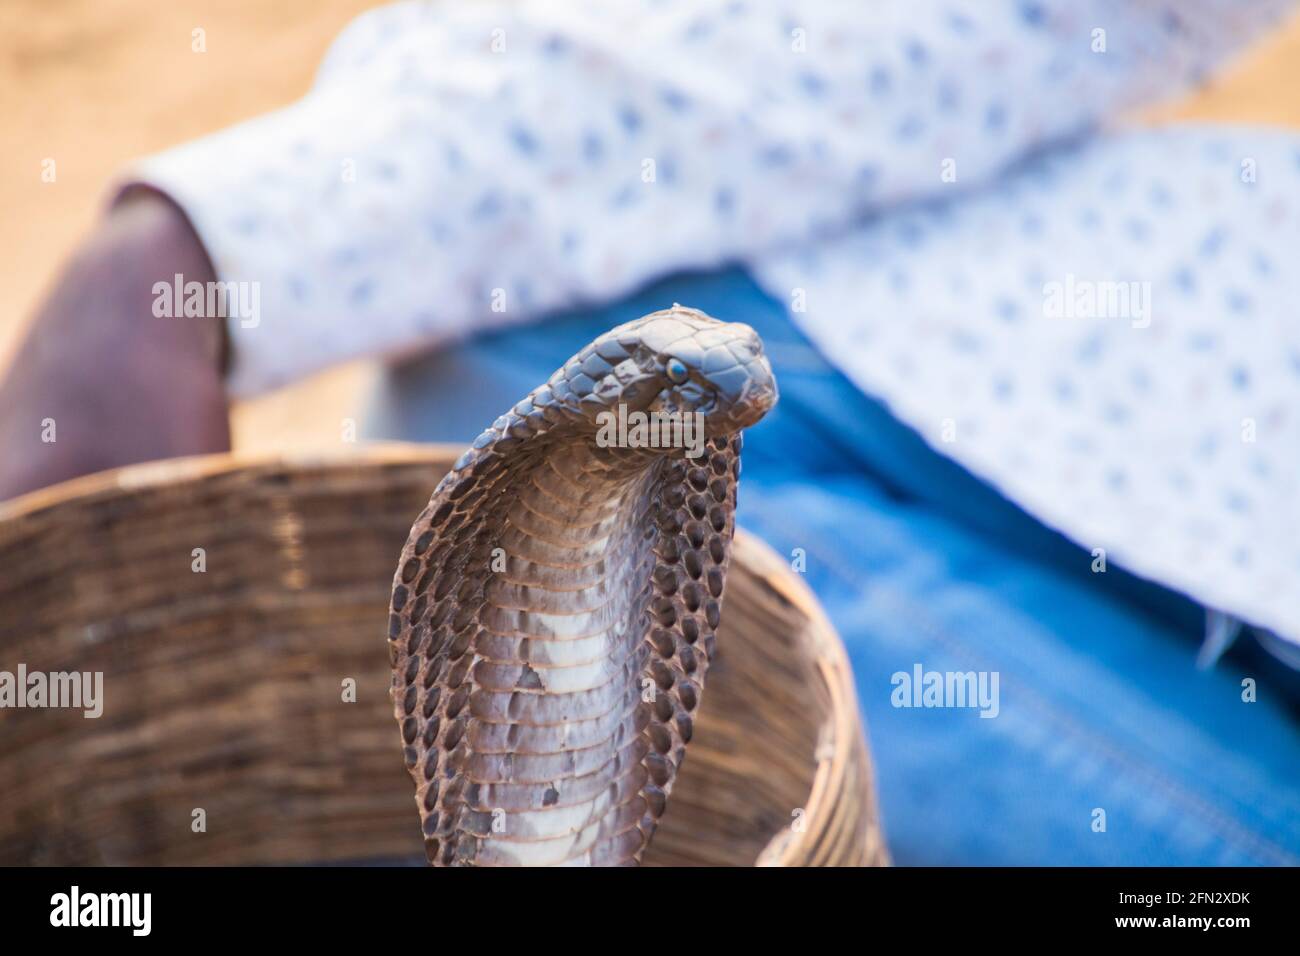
(676, 370)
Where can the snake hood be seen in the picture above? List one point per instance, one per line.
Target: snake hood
(556, 606)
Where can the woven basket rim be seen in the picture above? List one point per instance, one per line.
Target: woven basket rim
(166, 471)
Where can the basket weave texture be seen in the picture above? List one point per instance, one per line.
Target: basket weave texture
(224, 689)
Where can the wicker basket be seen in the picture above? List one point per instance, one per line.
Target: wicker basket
(224, 689)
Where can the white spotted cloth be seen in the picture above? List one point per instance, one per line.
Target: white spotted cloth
(1101, 324)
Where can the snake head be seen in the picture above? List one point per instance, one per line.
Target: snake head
(677, 361)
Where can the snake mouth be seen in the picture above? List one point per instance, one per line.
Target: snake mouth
(757, 395)
(726, 404)
(741, 397)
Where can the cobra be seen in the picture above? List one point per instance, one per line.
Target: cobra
(555, 608)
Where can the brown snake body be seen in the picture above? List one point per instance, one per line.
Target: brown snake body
(555, 606)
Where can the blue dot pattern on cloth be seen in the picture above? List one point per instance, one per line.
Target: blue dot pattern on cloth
(1109, 338)
(1094, 323)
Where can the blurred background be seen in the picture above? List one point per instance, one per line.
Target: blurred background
(92, 85)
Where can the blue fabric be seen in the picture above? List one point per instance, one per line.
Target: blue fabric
(918, 562)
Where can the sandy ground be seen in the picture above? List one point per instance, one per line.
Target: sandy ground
(92, 84)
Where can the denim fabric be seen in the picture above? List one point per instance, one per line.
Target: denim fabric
(918, 562)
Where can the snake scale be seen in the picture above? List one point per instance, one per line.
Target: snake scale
(555, 607)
